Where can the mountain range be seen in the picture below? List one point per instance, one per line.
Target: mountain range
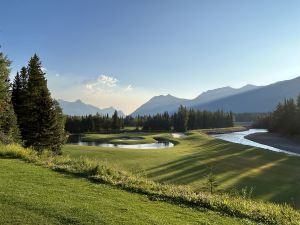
(249, 98)
(80, 108)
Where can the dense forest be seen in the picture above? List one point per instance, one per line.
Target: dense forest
(28, 114)
(184, 119)
(284, 120)
(248, 117)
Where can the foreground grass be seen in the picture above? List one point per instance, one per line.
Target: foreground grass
(273, 176)
(34, 195)
(86, 207)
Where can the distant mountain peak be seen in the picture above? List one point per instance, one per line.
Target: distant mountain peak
(162, 103)
(249, 86)
(79, 108)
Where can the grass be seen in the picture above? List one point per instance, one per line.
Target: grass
(234, 206)
(117, 138)
(273, 176)
(34, 195)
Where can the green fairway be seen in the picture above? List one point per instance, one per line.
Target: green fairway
(31, 194)
(273, 176)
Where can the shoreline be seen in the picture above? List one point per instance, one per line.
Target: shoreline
(276, 141)
(227, 130)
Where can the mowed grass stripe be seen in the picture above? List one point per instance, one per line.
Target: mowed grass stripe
(273, 176)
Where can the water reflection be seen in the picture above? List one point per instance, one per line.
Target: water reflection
(76, 139)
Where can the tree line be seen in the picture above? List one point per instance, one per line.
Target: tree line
(182, 120)
(94, 123)
(28, 114)
(186, 119)
(285, 119)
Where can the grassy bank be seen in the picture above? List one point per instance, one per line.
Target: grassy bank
(37, 196)
(84, 168)
(273, 176)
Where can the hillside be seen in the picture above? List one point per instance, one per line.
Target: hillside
(249, 98)
(160, 104)
(163, 103)
(80, 108)
(263, 99)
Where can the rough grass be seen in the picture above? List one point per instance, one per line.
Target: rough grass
(233, 206)
(273, 176)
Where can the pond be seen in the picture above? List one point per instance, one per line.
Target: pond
(76, 139)
(239, 137)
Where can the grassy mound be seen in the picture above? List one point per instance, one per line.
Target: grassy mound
(233, 206)
(144, 138)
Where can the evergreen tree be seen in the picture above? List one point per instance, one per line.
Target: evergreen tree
(59, 135)
(115, 122)
(19, 93)
(181, 121)
(16, 93)
(8, 126)
(41, 114)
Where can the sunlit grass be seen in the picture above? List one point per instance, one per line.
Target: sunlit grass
(235, 166)
(99, 172)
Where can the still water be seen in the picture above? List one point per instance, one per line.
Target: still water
(239, 137)
(76, 139)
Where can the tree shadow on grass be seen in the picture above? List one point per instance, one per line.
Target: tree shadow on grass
(274, 176)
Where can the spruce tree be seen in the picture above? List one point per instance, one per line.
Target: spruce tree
(41, 114)
(16, 92)
(8, 125)
(19, 93)
(115, 122)
(181, 121)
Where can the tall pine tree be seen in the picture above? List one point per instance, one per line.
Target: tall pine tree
(19, 93)
(8, 126)
(43, 128)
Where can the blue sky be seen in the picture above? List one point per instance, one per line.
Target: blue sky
(121, 53)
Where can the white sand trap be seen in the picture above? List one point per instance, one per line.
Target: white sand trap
(178, 135)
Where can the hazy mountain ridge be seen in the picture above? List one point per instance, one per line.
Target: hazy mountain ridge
(218, 93)
(80, 108)
(249, 98)
(159, 104)
(162, 103)
(263, 99)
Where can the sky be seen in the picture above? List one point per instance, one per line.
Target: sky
(121, 53)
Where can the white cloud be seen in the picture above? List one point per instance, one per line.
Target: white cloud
(44, 69)
(126, 97)
(129, 88)
(107, 80)
(103, 83)
(89, 86)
